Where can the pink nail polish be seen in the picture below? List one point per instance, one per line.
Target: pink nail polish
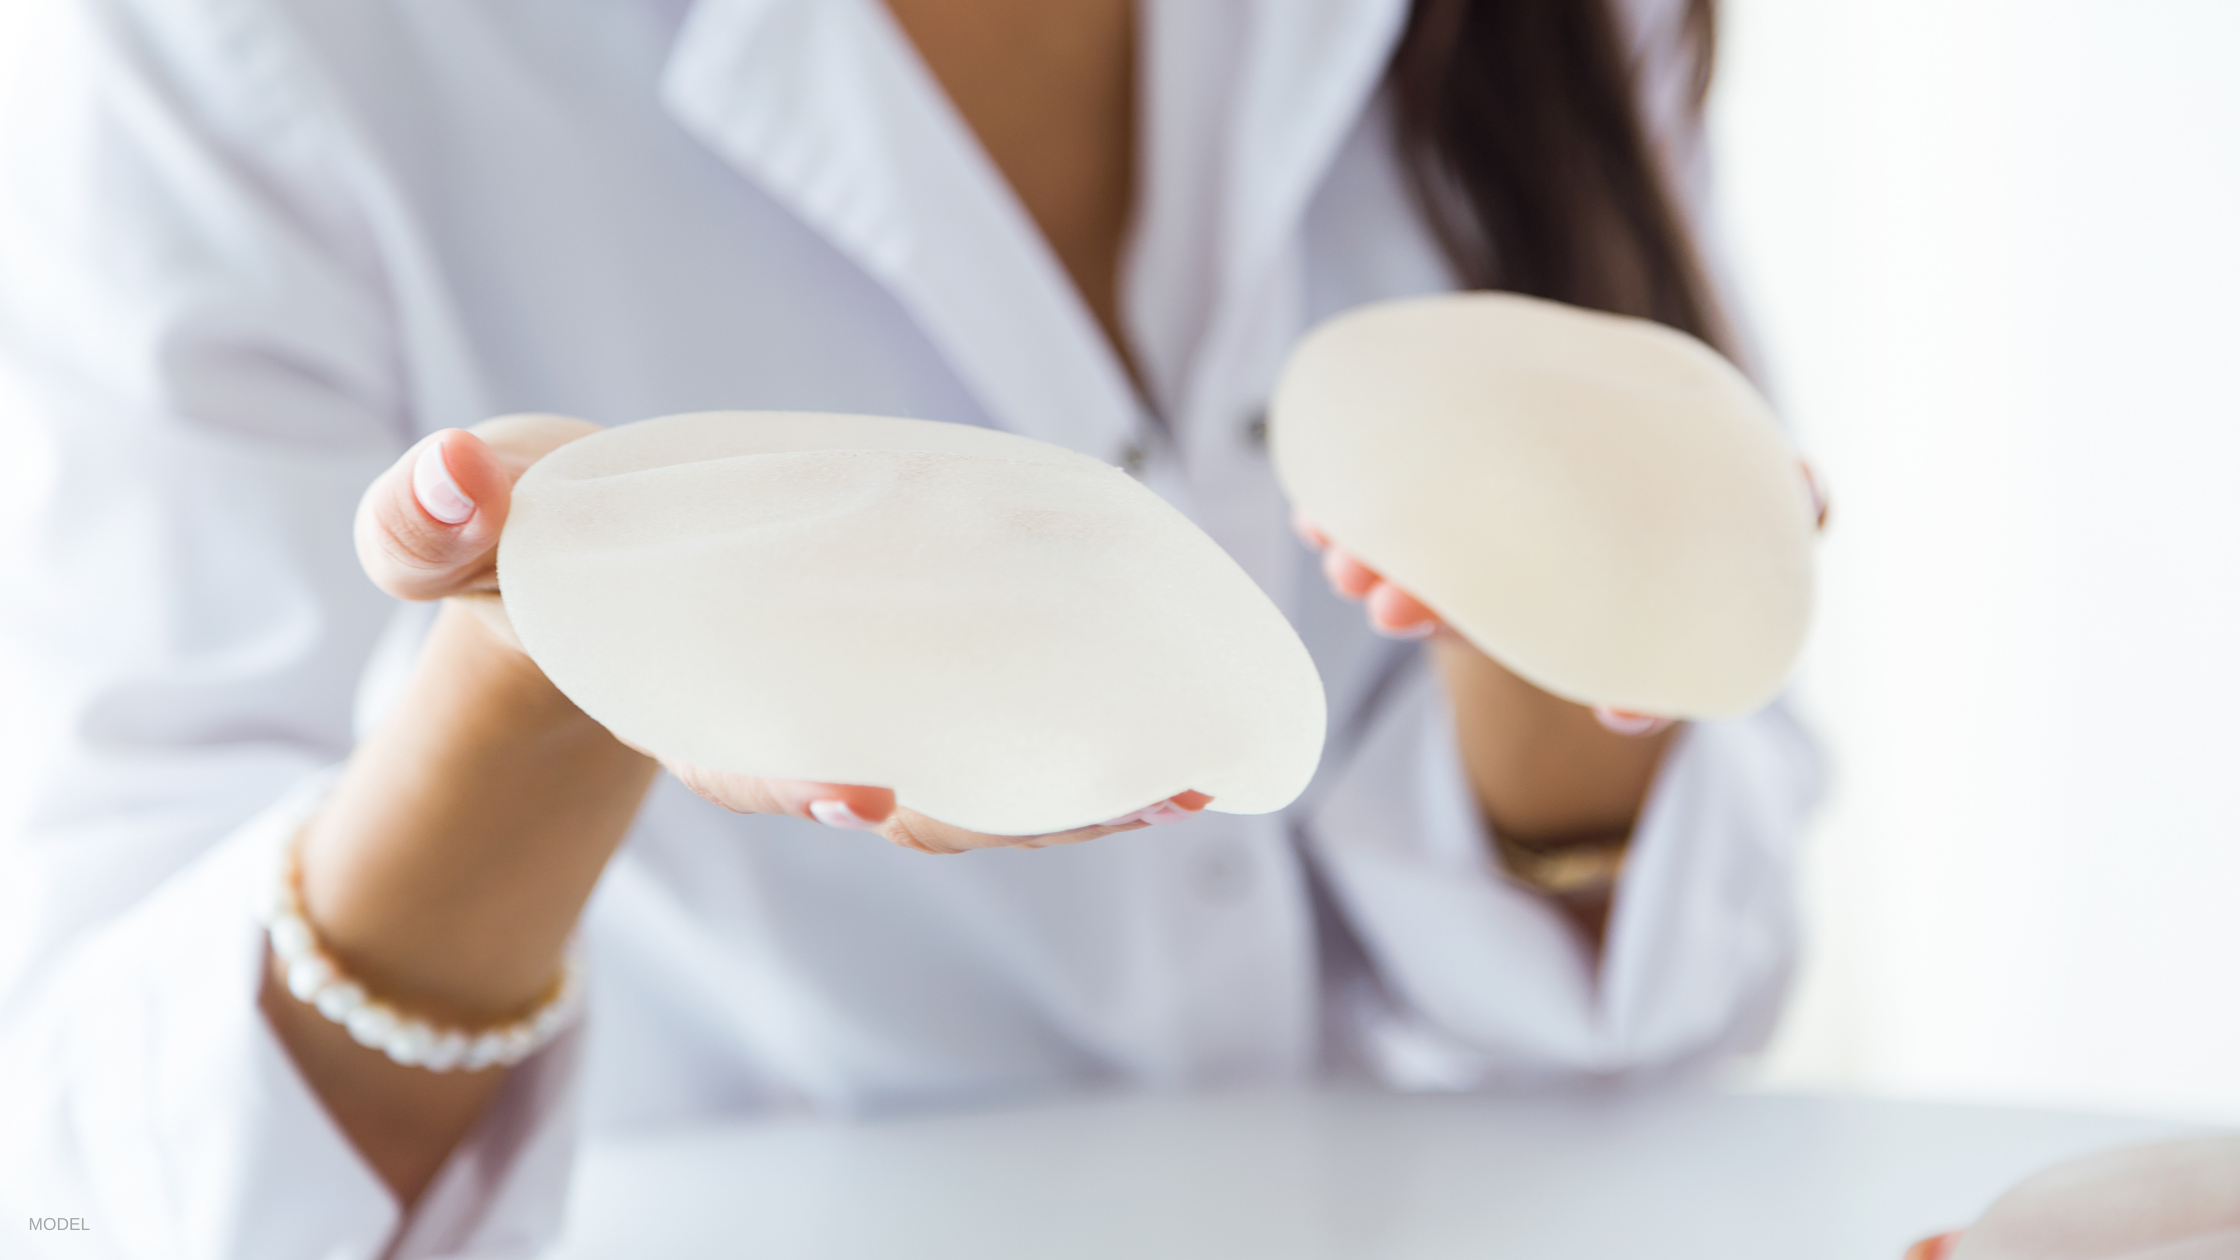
(1155, 815)
(837, 814)
(1620, 722)
(1819, 496)
(440, 496)
(1420, 630)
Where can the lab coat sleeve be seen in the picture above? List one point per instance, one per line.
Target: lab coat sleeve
(1477, 980)
(198, 378)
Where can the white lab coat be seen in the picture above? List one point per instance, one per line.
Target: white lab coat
(251, 249)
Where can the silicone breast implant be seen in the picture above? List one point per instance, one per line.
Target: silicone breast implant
(1016, 638)
(1603, 504)
(2169, 1201)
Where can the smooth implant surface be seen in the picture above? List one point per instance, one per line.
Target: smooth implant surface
(1016, 638)
(1603, 504)
(1328, 1175)
(2166, 1201)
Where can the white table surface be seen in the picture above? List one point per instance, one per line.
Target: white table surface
(1320, 1175)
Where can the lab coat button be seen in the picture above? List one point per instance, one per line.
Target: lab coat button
(1131, 460)
(1223, 875)
(1256, 430)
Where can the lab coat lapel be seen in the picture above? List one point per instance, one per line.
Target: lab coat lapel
(828, 108)
(1310, 70)
(1249, 102)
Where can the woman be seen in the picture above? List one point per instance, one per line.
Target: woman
(256, 251)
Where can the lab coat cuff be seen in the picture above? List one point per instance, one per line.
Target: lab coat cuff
(190, 1130)
(1703, 927)
(1479, 977)
(1482, 981)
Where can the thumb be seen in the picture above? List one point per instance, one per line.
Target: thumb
(429, 526)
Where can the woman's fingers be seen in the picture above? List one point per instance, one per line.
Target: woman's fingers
(1173, 809)
(1392, 611)
(913, 830)
(1396, 614)
(1627, 722)
(853, 807)
(845, 805)
(1819, 495)
(1348, 576)
(429, 526)
(1933, 1248)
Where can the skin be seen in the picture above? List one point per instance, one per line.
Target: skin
(1547, 773)
(465, 835)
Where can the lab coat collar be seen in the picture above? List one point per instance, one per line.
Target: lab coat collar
(828, 108)
(1248, 104)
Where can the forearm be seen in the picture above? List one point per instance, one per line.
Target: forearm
(445, 872)
(1544, 770)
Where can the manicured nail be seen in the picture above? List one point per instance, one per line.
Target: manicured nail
(1819, 496)
(1336, 566)
(1937, 1248)
(1420, 630)
(837, 814)
(1156, 815)
(1620, 722)
(439, 495)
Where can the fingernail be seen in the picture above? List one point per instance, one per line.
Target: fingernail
(1620, 722)
(1156, 815)
(1937, 1248)
(837, 814)
(1819, 496)
(439, 495)
(1420, 630)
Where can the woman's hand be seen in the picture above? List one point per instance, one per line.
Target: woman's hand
(873, 809)
(452, 859)
(1548, 774)
(1396, 614)
(429, 528)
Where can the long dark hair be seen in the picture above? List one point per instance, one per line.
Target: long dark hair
(1522, 132)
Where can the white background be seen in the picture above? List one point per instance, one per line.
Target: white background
(1988, 249)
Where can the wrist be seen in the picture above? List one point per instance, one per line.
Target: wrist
(473, 655)
(1585, 866)
(1544, 769)
(450, 862)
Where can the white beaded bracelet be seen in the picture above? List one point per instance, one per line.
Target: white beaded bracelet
(313, 977)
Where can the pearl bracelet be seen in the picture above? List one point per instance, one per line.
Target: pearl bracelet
(314, 978)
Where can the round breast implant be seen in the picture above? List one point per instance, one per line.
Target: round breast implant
(1016, 638)
(1603, 504)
